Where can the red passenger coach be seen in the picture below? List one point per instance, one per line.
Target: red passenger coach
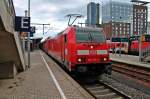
(117, 44)
(82, 50)
(134, 44)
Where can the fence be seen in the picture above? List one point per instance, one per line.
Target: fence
(146, 53)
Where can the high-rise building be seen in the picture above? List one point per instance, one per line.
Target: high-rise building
(117, 12)
(92, 14)
(118, 17)
(148, 28)
(140, 14)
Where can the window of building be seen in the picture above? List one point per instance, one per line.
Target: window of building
(112, 28)
(135, 29)
(142, 10)
(116, 32)
(141, 23)
(8, 3)
(141, 16)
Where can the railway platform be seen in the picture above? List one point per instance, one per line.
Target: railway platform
(129, 59)
(43, 80)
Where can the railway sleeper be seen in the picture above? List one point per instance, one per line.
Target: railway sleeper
(107, 96)
(96, 88)
(102, 92)
(119, 98)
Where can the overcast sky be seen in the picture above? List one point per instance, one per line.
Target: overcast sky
(53, 12)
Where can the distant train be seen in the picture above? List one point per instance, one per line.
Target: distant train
(117, 44)
(134, 44)
(82, 50)
(128, 45)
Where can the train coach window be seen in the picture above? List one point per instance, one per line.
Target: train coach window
(115, 39)
(124, 39)
(118, 39)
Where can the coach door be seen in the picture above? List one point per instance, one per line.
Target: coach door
(64, 50)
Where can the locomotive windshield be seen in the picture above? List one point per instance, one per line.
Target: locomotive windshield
(90, 36)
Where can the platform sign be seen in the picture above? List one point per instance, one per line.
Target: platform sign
(22, 24)
(32, 31)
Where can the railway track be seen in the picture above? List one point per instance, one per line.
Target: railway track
(101, 90)
(140, 74)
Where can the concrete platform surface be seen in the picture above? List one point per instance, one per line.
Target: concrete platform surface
(37, 83)
(129, 59)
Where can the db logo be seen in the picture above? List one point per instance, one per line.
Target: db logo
(92, 51)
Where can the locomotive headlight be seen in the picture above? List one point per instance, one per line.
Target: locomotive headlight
(91, 47)
(79, 60)
(105, 59)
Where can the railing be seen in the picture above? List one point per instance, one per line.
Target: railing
(146, 52)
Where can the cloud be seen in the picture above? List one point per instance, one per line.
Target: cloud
(53, 12)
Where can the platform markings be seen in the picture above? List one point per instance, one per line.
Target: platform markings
(54, 79)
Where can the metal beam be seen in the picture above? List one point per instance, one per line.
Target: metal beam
(40, 24)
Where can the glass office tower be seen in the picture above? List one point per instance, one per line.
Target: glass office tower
(92, 14)
(118, 17)
(117, 12)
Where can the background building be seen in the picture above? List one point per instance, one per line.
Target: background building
(117, 12)
(92, 14)
(117, 19)
(148, 28)
(117, 29)
(140, 14)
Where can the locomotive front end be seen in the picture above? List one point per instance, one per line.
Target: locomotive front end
(92, 55)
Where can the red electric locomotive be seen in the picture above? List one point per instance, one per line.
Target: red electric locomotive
(82, 50)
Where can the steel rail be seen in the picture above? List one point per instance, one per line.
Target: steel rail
(141, 74)
(101, 90)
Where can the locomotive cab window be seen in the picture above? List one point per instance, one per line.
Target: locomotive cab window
(97, 36)
(90, 36)
(82, 36)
